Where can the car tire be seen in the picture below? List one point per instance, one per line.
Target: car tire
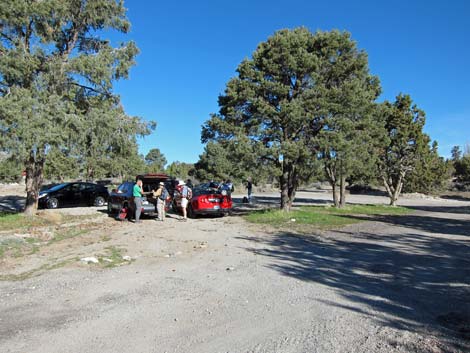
(52, 203)
(99, 201)
(110, 210)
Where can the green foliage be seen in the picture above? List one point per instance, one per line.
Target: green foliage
(180, 170)
(9, 221)
(271, 112)
(155, 161)
(430, 173)
(349, 131)
(61, 164)
(320, 216)
(405, 143)
(462, 169)
(56, 80)
(10, 169)
(456, 153)
(461, 166)
(213, 164)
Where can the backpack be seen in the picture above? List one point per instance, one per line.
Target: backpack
(122, 215)
(164, 194)
(189, 194)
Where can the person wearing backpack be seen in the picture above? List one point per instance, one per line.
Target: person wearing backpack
(161, 194)
(186, 195)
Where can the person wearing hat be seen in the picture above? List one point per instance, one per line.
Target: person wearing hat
(184, 198)
(161, 195)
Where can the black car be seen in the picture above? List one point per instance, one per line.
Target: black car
(73, 194)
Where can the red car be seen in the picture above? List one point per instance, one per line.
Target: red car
(207, 199)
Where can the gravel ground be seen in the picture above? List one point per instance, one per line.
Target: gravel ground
(394, 284)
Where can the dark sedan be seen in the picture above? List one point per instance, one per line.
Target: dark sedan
(73, 194)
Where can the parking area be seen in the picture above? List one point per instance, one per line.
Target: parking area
(219, 284)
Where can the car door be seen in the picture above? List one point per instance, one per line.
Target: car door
(87, 194)
(67, 194)
(75, 194)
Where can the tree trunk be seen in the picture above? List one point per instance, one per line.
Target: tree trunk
(342, 192)
(394, 191)
(90, 173)
(291, 197)
(332, 180)
(284, 181)
(288, 183)
(398, 188)
(293, 184)
(335, 194)
(34, 179)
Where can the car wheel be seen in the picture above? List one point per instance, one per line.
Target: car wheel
(52, 203)
(99, 201)
(110, 210)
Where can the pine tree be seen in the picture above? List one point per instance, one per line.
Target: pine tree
(56, 80)
(404, 143)
(282, 97)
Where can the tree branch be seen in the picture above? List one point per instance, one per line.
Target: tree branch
(107, 94)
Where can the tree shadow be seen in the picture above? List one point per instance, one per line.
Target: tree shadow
(455, 197)
(442, 209)
(276, 200)
(430, 224)
(404, 281)
(259, 203)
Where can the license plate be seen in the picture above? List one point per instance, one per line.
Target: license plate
(216, 207)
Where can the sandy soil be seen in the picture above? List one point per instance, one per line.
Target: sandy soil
(392, 284)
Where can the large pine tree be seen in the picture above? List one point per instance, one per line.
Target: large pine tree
(283, 96)
(56, 80)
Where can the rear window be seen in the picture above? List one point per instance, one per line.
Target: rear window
(57, 187)
(206, 189)
(124, 188)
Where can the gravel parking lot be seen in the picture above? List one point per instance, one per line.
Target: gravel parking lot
(391, 284)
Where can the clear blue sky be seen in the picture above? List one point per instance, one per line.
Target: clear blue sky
(190, 49)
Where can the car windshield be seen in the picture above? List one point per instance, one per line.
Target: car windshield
(57, 187)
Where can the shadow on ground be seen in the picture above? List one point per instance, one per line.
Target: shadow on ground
(425, 223)
(443, 209)
(264, 202)
(456, 197)
(405, 281)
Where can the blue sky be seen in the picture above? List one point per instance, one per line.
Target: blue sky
(190, 49)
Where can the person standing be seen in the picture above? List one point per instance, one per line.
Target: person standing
(137, 192)
(230, 186)
(185, 195)
(161, 195)
(189, 183)
(249, 188)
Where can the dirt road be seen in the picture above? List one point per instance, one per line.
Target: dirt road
(395, 284)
